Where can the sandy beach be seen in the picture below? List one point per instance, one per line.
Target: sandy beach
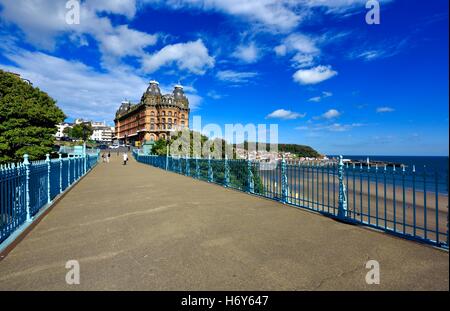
(398, 209)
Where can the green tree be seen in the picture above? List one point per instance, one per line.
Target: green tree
(160, 147)
(28, 118)
(80, 131)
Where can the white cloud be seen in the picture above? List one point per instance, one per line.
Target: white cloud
(236, 76)
(274, 15)
(195, 100)
(303, 60)
(247, 53)
(338, 127)
(285, 115)
(214, 95)
(124, 41)
(43, 22)
(315, 99)
(319, 98)
(304, 49)
(301, 43)
(80, 90)
(333, 127)
(385, 109)
(191, 56)
(280, 50)
(122, 7)
(331, 114)
(314, 75)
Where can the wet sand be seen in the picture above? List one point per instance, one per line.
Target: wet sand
(400, 210)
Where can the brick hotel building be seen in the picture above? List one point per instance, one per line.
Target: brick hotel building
(155, 116)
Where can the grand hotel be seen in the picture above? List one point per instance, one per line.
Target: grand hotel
(155, 116)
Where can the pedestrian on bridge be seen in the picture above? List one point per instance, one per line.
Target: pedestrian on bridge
(125, 158)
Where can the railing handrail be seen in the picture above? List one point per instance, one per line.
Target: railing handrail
(406, 203)
(31, 186)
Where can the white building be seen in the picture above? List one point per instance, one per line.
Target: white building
(61, 127)
(102, 132)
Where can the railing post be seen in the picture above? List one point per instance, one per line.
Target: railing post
(47, 160)
(68, 170)
(167, 159)
(197, 168)
(284, 181)
(250, 182)
(85, 158)
(60, 172)
(188, 169)
(342, 208)
(210, 171)
(227, 172)
(27, 185)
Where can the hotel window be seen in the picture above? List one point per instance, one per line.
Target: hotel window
(169, 120)
(152, 120)
(170, 113)
(176, 114)
(152, 113)
(163, 113)
(182, 116)
(152, 126)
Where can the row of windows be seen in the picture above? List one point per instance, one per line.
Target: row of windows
(163, 113)
(169, 120)
(164, 126)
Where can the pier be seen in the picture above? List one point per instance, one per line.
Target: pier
(137, 227)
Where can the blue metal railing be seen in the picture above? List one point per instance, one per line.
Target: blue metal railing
(27, 187)
(406, 203)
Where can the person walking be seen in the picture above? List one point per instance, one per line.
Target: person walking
(125, 158)
(108, 157)
(103, 157)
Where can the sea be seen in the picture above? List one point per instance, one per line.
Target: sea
(431, 165)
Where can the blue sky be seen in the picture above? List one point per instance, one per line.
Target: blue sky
(314, 67)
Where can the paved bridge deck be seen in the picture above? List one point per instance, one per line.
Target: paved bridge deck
(136, 227)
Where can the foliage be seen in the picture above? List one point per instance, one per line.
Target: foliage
(182, 137)
(28, 118)
(79, 131)
(298, 150)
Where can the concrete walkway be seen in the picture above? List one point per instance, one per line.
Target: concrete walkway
(136, 227)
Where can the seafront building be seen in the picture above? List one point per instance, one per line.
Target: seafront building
(60, 134)
(101, 131)
(155, 116)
